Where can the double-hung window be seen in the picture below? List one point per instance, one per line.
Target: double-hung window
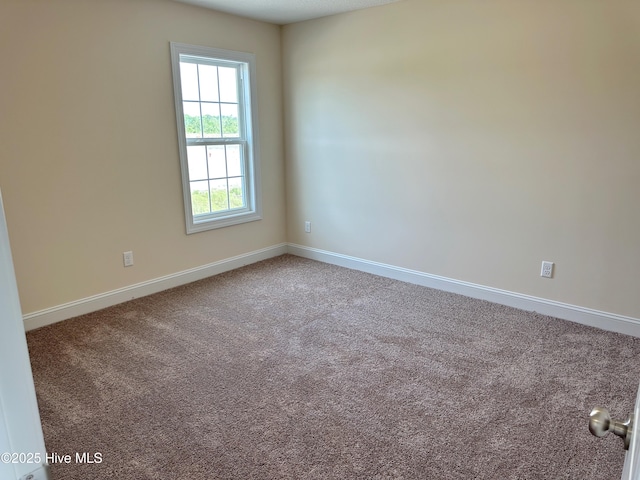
(217, 135)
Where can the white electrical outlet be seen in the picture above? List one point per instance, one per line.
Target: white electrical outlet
(547, 269)
(307, 226)
(127, 257)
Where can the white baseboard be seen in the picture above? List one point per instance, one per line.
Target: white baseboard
(595, 318)
(96, 302)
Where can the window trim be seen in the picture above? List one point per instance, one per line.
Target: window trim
(248, 94)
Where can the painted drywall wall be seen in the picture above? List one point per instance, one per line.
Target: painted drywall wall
(473, 140)
(89, 163)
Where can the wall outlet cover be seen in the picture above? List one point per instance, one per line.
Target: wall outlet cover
(546, 270)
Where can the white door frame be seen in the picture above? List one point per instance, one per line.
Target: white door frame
(20, 427)
(631, 470)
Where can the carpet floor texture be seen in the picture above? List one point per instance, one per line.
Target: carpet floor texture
(295, 369)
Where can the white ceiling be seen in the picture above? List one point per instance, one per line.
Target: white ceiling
(282, 12)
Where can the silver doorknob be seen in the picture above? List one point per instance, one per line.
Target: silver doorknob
(600, 424)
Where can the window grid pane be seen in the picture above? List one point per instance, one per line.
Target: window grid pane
(210, 119)
(229, 115)
(217, 161)
(236, 192)
(189, 76)
(228, 81)
(219, 195)
(235, 167)
(200, 199)
(192, 119)
(208, 82)
(197, 160)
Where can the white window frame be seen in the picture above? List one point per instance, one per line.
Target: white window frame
(248, 126)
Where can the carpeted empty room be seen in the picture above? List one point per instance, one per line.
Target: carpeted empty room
(291, 368)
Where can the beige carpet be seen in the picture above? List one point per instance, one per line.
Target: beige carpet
(296, 369)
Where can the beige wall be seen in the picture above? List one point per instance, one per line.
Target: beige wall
(460, 138)
(88, 149)
(473, 139)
